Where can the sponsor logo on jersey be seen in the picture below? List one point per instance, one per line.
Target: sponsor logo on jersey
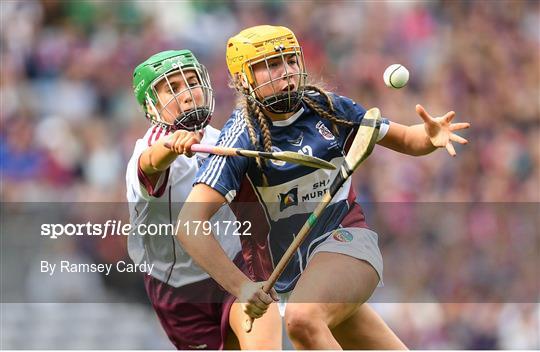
(297, 141)
(342, 235)
(324, 131)
(277, 162)
(288, 199)
(317, 191)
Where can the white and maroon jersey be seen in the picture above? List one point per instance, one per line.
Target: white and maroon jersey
(160, 205)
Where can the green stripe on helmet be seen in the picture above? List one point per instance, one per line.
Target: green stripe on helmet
(156, 66)
(159, 67)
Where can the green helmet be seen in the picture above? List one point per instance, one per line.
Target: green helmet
(160, 67)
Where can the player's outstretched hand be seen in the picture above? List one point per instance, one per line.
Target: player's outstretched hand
(181, 141)
(255, 301)
(440, 130)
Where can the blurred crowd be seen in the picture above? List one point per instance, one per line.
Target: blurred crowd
(69, 121)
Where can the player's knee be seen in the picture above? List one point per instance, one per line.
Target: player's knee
(302, 323)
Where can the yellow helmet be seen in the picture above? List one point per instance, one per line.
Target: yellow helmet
(260, 43)
(255, 43)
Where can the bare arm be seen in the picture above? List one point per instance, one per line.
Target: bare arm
(157, 158)
(201, 204)
(411, 140)
(424, 138)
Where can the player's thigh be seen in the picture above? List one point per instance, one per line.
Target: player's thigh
(333, 285)
(266, 332)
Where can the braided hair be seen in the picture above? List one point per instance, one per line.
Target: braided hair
(325, 112)
(253, 116)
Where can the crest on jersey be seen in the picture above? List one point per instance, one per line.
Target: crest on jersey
(324, 131)
(288, 199)
(342, 235)
(297, 141)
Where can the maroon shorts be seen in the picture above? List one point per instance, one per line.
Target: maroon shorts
(194, 316)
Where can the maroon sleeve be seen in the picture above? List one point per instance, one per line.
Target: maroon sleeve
(145, 181)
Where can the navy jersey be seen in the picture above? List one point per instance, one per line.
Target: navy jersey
(276, 211)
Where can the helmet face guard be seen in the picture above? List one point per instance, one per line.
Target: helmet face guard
(266, 44)
(282, 100)
(159, 70)
(193, 119)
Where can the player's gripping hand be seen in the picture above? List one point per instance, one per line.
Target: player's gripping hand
(181, 141)
(255, 301)
(440, 130)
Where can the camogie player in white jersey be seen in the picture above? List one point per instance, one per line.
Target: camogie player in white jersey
(339, 265)
(174, 91)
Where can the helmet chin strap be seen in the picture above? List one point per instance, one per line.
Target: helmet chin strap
(282, 103)
(193, 120)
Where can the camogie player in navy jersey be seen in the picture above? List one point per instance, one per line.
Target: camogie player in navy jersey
(174, 91)
(339, 265)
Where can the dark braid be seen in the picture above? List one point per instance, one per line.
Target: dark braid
(252, 113)
(263, 124)
(327, 113)
(251, 129)
(242, 102)
(322, 92)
